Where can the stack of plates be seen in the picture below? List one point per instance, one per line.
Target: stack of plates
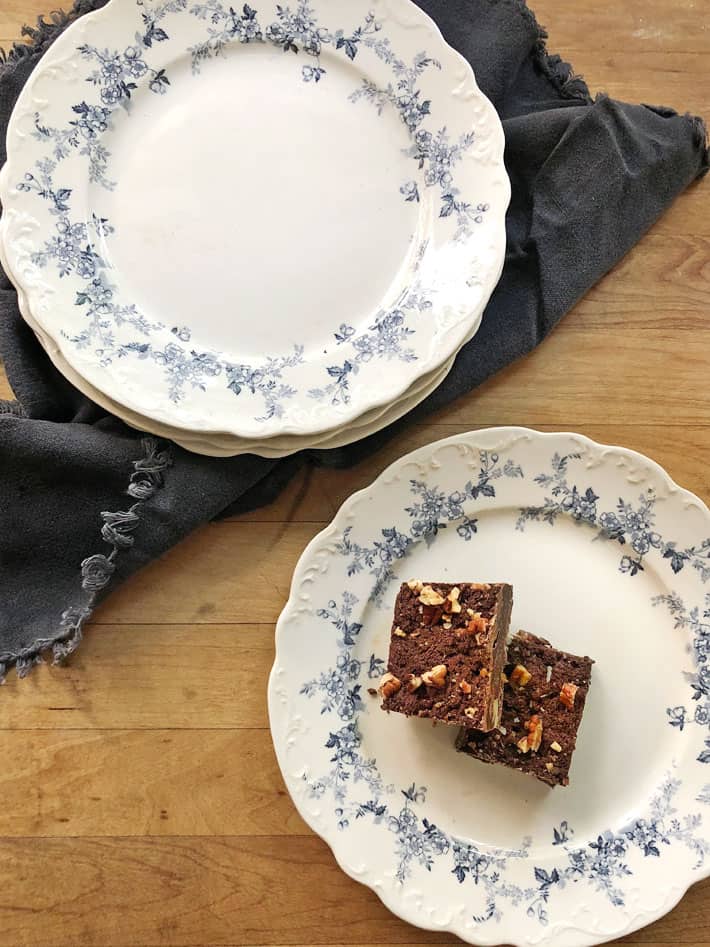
(254, 229)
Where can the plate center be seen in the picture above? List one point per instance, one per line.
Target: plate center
(256, 209)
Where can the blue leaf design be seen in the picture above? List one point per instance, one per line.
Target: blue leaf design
(348, 45)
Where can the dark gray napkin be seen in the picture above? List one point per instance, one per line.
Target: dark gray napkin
(85, 501)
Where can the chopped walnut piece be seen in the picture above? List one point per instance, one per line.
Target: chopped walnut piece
(568, 694)
(399, 633)
(477, 623)
(389, 685)
(484, 672)
(415, 585)
(556, 746)
(452, 604)
(533, 738)
(436, 677)
(534, 728)
(471, 712)
(465, 687)
(549, 767)
(429, 596)
(520, 676)
(414, 682)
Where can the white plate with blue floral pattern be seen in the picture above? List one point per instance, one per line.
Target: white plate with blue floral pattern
(258, 221)
(608, 557)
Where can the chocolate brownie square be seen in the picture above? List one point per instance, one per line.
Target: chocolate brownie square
(447, 652)
(543, 703)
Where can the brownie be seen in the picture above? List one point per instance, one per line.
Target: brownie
(447, 652)
(543, 703)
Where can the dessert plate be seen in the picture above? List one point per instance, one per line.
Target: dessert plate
(259, 271)
(608, 557)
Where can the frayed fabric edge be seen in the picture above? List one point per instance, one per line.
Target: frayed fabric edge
(11, 409)
(43, 33)
(97, 570)
(698, 130)
(24, 661)
(572, 86)
(700, 133)
(560, 73)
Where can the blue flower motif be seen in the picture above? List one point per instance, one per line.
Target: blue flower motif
(609, 522)
(312, 73)
(418, 840)
(118, 73)
(580, 506)
(339, 617)
(71, 250)
(93, 120)
(647, 836)
(641, 543)
(410, 191)
(677, 716)
(344, 333)
(111, 70)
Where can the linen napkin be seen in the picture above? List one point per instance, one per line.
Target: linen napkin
(85, 501)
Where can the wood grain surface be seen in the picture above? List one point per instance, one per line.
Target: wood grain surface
(142, 805)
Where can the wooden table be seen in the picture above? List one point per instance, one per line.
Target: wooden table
(141, 800)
